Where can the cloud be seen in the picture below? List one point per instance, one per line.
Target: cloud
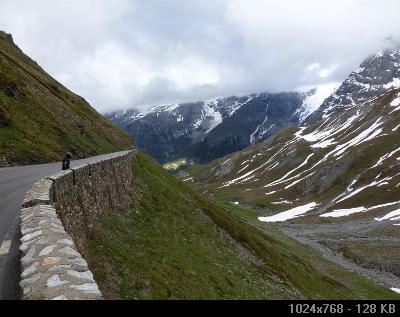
(127, 53)
(331, 36)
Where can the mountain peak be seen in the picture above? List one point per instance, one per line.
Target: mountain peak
(6, 36)
(208, 129)
(376, 74)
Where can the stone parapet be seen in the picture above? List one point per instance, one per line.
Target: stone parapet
(58, 214)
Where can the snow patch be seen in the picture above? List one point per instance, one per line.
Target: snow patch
(390, 216)
(253, 135)
(343, 212)
(242, 178)
(317, 136)
(237, 106)
(386, 156)
(394, 289)
(121, 114)
(396, 128)
(280, 180)
(364, 136)
(395, 83)
(324, 144)
(281, 202)
(290, 214)
(210, 113)
(360, 189)
(172, 107)
(314, 101)
(395, 102)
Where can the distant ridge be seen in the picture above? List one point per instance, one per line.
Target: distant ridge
(205, 130)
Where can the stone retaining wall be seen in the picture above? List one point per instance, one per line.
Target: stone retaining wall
(58, 214)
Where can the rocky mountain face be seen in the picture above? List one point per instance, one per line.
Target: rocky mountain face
(206, 130)
(376, 75)
(333, 183)
(40, 119)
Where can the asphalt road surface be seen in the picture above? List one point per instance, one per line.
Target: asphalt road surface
(14, 183)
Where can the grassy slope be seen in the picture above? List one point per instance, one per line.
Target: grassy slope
(43, 119)
(165, 247)
(370, 245)
(364, 155)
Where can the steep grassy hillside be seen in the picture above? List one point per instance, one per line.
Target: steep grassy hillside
(175, 244)
(336, 182)
(40, 119)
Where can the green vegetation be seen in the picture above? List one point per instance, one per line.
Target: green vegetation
(174, 243)
(319, 274)
(315, 175)
(40, 119)
(165, 247)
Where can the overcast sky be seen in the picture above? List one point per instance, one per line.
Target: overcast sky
(134, 53)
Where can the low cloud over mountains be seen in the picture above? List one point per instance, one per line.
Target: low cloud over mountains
(138, 53)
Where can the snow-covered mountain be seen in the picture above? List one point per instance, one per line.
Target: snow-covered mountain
(203, 131)
(315, 99)
(333, 183)
(376, 74)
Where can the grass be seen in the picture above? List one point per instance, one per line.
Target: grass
(358, 286)
(40, 119)
(374, 253)
(172, 244)
(166, 247)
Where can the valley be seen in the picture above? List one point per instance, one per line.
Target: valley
(288, 193)
(174, 243)
(333, 183)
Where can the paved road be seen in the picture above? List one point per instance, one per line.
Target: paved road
(14, 183)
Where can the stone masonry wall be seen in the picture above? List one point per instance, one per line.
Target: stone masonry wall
(83, 196)
(58, 214)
